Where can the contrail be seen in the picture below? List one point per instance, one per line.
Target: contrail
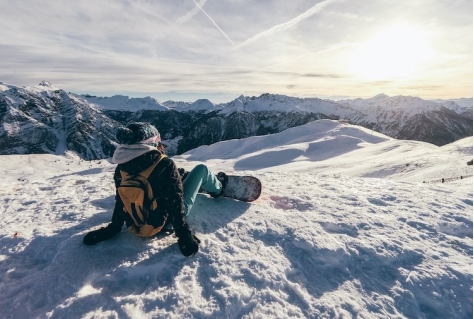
(215, 23)
(190, 14)
(313, 10)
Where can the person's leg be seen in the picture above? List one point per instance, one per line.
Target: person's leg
(200, 176)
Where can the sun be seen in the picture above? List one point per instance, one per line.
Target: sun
(393, 53)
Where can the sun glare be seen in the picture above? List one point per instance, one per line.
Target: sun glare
(396, 52)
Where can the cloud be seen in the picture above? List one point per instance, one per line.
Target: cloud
(289, 24)
(190, 14)
(229, 46)
(424, 88)
(315, 75)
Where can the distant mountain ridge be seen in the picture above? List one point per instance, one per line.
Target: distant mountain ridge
(46, 119)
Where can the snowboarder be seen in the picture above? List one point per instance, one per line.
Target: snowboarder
(141, 150)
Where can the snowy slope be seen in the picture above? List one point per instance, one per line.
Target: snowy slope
(331, 147)
(323, 241)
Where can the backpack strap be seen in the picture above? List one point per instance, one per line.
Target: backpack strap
(146, 173)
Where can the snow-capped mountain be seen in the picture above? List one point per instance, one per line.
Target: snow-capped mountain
(412, 118)
(198, 105)
(282, 103)
(185, 126)
(45, 119)
(124, 103)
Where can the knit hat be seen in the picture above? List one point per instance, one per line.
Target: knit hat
(138, 133)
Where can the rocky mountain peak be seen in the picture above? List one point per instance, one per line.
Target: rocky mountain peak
(46, 83)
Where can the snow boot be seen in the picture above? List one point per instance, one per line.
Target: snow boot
(222, 177)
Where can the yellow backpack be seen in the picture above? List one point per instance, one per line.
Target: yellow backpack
(138, 200)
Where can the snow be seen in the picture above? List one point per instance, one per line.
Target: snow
(456, 104)
(4, 87)
(43, 86)
(282, 103)
(343, 229)
(198, 105)
(124, 103)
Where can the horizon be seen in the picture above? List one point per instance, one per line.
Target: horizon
(191, 100)
(184, 51)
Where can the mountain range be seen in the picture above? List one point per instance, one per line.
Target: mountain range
(47, 119)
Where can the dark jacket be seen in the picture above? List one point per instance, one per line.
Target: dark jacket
(167, 189)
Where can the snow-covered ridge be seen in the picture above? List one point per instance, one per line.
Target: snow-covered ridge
(45, 119)
(198, 105)
(347, 109)
(404, 106)
(282, 103)
(271, 102)
(125, 103)
(331, 147)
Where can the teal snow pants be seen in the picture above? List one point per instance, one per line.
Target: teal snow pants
(200, 176)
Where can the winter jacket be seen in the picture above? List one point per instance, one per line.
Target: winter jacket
(167, 189)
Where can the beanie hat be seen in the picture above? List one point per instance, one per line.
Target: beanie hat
(138, 133)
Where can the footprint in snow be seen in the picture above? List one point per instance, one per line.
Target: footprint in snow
(285, 203)
(186, 284)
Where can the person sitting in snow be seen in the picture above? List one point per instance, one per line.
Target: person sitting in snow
(140, 148)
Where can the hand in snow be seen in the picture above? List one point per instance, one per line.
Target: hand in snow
(102, 234)
(188, 243)
(93, 237)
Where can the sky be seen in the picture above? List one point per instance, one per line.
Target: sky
(219, 50)
(344, 228)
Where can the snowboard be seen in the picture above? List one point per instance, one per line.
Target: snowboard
(243, 188)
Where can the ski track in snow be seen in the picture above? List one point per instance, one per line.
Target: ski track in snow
(312, 246)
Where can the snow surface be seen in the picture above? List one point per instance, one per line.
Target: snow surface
(343, 229)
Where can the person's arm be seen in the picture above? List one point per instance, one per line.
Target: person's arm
(102, 234)
(174, 206)
(114, 227)
(171, 187)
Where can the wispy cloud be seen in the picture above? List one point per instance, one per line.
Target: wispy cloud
(299, 47)
(289, 24)
(333, 48)
(190, 14)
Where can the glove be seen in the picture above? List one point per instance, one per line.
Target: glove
(102, 234)
(92, 238)
(187, 242)
(183, 173)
